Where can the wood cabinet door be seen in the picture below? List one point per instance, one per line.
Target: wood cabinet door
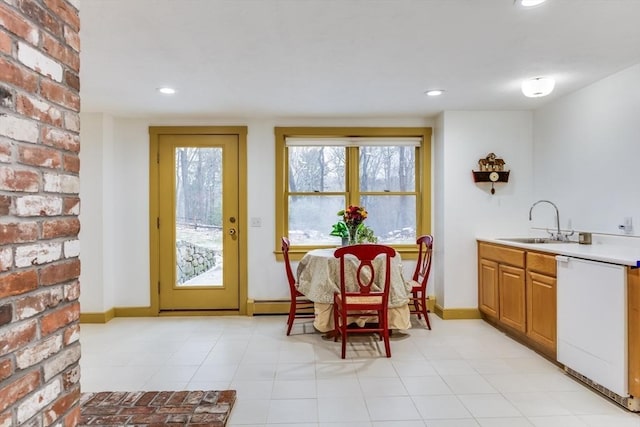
(488, 287)
(541, 310)
(511, 288)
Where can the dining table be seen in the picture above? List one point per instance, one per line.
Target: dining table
(318, 278)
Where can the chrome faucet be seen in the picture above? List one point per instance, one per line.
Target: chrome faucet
(558, 235)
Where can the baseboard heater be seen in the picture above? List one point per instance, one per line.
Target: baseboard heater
(629, 402)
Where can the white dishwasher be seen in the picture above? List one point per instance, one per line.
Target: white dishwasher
(592, 321)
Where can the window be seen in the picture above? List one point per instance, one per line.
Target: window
(320, 171)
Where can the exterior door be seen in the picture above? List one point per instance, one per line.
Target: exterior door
(198, 222)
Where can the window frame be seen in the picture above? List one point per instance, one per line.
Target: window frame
(423, 177)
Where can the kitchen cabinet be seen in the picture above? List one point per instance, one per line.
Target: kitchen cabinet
(511, 288)
(541, 300)
(517, 291)
(501, 285)
(595, 315)
(488, 287)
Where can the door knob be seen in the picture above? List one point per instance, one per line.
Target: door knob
(232, 231)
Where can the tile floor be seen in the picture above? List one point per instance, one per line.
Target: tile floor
(463, 373)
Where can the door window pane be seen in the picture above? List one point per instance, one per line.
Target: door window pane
(198, 210)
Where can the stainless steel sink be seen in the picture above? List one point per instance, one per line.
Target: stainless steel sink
(532, 240)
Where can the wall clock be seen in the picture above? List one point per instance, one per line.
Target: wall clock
(491, 169)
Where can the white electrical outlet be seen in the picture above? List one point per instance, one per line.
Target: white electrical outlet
(256, 222)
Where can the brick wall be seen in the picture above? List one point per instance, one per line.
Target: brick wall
(39, 207)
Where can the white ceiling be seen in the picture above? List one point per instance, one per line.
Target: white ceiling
(344, 58)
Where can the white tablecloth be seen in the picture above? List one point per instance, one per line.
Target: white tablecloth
(319, 278)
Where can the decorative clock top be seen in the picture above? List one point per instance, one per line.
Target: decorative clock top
(491, 169)
(491, 163)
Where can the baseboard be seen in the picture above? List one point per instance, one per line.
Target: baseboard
(97, 317)
(267, 307)
(135, 312)
(456, 313)
(253, 308)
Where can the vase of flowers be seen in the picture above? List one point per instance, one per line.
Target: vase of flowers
(353, 218)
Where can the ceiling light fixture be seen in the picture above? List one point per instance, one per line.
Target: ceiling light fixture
(434, 92)
(537, 87)
(166, 90)
(530, 3)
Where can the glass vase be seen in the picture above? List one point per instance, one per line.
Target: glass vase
(353, 234)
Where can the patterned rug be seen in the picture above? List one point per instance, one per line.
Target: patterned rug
(157, 408)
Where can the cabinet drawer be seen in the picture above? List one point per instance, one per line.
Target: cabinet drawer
(542, 263)
(502, 254)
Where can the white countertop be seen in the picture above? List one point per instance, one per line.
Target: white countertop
(598, 251)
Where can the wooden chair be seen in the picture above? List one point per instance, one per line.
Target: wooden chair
(352, 303)
(418, 299)
(300, 307)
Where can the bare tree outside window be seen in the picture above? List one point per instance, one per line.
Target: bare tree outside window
(318, 190)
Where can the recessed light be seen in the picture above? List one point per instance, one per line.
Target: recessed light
(538, 86)
(166, 90)
(434, 92)
(530, 3)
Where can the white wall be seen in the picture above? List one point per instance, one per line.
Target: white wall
(587, 151)
(465, 209)
(125, 242)
(96, 156)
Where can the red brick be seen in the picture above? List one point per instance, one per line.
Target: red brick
(58, 138)
(39, 110)
(6, 418)
(60, 52)
(14, 337)
(18, 75)
(72, 80)
(35, 303)
(17, 25)
(6, 369)
(6, 43)
(5, 151)
(55, 320)
(36, 155)
(18, 180)
(60, 228)
(18, 389)
(18, 232)
(60, 272)
(71, 206)
(71, 377)
(60, 407)
(73, 417)
(71, 334)
(72, 38)
(41, 17)
(6, 314)
(65, 11)
(18, 283)
(5, 205)
(71, 163)
(6, 99)
(72, 291)
(60, 95)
